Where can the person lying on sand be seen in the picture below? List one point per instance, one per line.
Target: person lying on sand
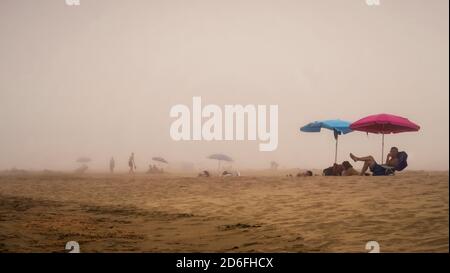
(204, 173)
(335, 170)
(348, 169)
(230, 173)
(303, 174)
(392, 160)
(227, 173)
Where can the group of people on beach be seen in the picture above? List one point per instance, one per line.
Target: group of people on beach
(395, 161)
(132, 166)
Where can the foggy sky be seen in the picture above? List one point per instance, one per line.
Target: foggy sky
(99, 79)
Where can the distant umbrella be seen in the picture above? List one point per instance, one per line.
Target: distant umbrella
(220, 158)
(83, 159)
(160, 159)
(384, 124)
(337, 126)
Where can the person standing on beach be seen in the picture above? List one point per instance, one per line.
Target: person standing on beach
(131, 163)
(112, 164)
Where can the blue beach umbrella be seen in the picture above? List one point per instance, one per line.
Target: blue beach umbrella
(339, 127)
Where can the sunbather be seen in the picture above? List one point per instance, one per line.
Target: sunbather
(395, 161)
(304, 174)
(348, 169)
(204, 173)
(335, 170)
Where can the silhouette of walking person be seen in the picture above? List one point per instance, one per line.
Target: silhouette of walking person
(131, 163)
(112, 165)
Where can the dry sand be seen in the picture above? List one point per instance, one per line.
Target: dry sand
(253, 213)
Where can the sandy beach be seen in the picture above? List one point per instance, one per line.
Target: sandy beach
(260, 212)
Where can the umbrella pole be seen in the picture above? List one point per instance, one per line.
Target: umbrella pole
(335, 151)
(382, 149)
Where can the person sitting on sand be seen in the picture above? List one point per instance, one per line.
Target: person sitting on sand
(392, 160)
(348, 169)
(304, 174)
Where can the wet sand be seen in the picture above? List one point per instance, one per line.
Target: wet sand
(261, 212)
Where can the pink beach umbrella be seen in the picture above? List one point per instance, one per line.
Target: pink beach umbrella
(384, 124)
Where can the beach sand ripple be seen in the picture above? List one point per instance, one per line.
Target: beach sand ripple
(40, 212)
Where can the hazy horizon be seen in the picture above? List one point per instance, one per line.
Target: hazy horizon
(99, 79)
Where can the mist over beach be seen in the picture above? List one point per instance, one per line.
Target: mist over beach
(87, 153)
(99, 79)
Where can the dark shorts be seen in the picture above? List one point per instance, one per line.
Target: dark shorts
(378, 170)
